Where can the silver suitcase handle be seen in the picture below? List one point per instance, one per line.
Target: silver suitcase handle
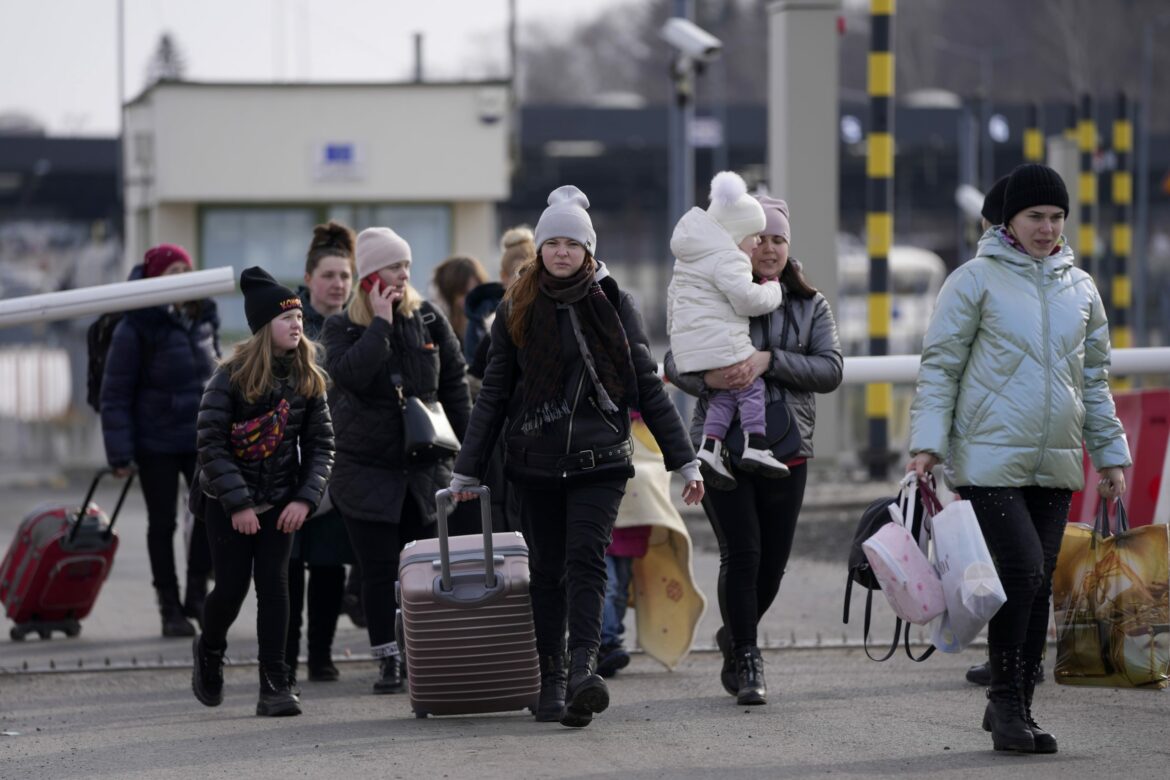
(443, 502)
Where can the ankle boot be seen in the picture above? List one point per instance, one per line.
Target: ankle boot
(174, 623)
(195, 597)
(207, 675)
(390, 677)
(1034, 673)
(552, 688)
(291, 677)
(322, 669)
(749, 674)
(586, 693)
(276, 700)
(979, 674)
(727, 674)
(1005, 716)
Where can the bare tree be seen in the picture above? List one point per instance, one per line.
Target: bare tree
(167, 63)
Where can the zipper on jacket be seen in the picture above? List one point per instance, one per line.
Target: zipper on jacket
(1047, 366)
(572, 414)
(601, 414)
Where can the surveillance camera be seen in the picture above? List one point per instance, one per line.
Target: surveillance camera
(691, 39)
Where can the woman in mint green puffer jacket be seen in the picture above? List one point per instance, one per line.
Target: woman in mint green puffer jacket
(1013, 383)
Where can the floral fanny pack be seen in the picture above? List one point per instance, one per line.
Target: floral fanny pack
(257, 438)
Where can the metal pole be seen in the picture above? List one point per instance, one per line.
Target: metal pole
(879, 223)
(1122, 236)
(418, 57)
(682, 110)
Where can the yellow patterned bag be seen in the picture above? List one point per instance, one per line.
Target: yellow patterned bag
(1112, 604)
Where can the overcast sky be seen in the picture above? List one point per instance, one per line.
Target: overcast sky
(59, 64)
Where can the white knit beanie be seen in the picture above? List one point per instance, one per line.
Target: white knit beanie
(378, 247)
(566, 217)
(739, 213)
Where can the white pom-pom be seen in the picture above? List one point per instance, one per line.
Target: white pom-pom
(568, 195)
(727, 187)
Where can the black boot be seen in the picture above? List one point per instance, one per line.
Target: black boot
(586, 692)
(174, 622)
(727, 674)
(390, 677)
(749, 674)
(1005, 716)
(1034, 673)
(979, 674)
(292, 676)
(195, 597)
(552, 688)
(276, 700)
(207, 676)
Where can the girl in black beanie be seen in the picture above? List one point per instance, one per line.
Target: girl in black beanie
(265, 452)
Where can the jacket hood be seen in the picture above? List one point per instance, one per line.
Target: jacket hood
(488, 292)
(995, 245)
(698, 235)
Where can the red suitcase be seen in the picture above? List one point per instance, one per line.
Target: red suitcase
(466, 620)
(57, 563)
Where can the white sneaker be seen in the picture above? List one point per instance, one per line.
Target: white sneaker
(762, 462)
(715, 474)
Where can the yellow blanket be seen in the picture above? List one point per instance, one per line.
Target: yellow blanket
(666, 601)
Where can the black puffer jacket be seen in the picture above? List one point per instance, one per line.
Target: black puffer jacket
(298, 470)
(806, 359)
(587, 427)
(372, 476)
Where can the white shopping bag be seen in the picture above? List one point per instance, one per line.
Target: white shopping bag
(970, 583)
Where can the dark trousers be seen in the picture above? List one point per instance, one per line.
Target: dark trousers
(567, 530)
(754, 524)
(1023, 528)
(239, 558)
(326, 586)
(158, 473)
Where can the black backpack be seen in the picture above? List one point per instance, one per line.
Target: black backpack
(97, 342)
(872, 519)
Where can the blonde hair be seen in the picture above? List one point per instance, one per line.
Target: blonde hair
(361, 313)
(250, 367)
(518, 245)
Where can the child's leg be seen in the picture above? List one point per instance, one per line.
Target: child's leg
(619, 569)
(271, 575)
(231, 556)
(721, 407)
(751, 403)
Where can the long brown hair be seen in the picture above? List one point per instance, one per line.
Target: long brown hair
(793, 278)
(452, 279)
(523, 293)
(250, 367)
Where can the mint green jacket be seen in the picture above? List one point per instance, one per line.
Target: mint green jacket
(1014, 375)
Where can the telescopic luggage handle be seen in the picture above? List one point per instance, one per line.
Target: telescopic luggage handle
(443, 502)
(89, 497)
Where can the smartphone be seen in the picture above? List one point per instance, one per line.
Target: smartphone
(368, 282)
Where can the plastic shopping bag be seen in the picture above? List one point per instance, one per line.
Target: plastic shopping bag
(970, 583)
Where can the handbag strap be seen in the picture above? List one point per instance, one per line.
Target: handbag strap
(783, 337)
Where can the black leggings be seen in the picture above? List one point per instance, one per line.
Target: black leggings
(239, 558)
(158, 473)
(1023, 528)
(326, 587)
(754, 524)
(567, 530)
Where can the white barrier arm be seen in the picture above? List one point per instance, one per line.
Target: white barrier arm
(903, 369)
(120, 296)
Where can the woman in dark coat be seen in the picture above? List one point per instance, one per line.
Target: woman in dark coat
(158, 362)
(798, 356)
(569, 359)
(388, 342)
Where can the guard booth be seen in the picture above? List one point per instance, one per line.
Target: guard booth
(240, 173)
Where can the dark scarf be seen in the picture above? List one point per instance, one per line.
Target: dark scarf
(600, 338)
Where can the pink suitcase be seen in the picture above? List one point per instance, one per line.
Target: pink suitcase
(55, 567)
(466, 620)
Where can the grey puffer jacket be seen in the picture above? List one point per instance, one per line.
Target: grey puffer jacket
(1015, 373)
(805, 361)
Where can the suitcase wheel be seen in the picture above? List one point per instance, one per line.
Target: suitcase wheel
(72, 629)
(16, 633)
(420, 715)
(44, 633)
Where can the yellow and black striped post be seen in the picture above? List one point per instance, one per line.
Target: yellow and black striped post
(1087, 186)
(1033, 137)
(1122, 236)
(879, 223)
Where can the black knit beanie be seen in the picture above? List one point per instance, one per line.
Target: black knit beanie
(1030, 185)
(265, 299)
(993, 202)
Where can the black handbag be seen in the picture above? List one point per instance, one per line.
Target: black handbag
(427, 433)
(781, 431)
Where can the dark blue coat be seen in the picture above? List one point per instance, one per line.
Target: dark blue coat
(156, 369)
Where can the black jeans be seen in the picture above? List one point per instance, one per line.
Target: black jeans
(1023, 528)
(239, 558)
(567, 530)
(326, 586)
(158, 473)
(754, 524)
